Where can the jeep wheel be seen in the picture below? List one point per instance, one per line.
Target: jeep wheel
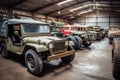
(33, 62)
(116, 71)
(71, 38)
(87, 44)
(79, 42)
(4, 51)
(69, 58)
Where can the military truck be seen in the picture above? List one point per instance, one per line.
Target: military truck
(80, 31)
(112, 31)
(55, 28)
(67, 29)
(81, 37)
(100, 32)
(89, 30)
(60, 30)
(31, 38)
(116, 57)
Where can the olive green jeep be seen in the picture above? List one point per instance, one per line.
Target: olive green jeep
(86, 38)
(31, 38)
(100, 32)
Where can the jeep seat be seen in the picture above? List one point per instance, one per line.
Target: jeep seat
(15, 40)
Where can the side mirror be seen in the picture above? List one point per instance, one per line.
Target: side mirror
(16, 33)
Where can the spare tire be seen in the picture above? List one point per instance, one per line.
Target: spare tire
(71, 38)
(4, 51)
(79, 42)
(116, 68)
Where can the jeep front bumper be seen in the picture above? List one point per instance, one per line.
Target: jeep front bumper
(60, 55)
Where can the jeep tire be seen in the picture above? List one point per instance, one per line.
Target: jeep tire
(116, 70)
(71, 38)
(69, 58)
(33, 62)
(79, 42)
(4, 51)
(86, 44)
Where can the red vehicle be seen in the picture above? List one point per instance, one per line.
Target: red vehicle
(66, 30)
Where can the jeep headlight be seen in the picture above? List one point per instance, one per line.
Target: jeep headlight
(51, 45)
(66, 43)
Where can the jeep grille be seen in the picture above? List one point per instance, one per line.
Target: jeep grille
(59, 47)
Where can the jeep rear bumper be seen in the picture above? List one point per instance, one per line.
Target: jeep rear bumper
(64, 54)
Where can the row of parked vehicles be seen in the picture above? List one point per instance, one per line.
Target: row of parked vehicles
(114, 39)
(83, 35)
(33, 39)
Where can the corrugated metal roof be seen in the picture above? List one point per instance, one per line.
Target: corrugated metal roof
(50, 7)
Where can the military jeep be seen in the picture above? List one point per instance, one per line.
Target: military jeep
(63, 31)
(112, 31)
(80, 31)
(31, 38)
(100, 32)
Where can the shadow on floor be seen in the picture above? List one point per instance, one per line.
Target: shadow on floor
(56, 70)
(96, 77)
(48, 67)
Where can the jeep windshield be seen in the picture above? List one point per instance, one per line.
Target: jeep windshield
(36, 28)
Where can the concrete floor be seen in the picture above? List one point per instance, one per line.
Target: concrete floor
(93, 63)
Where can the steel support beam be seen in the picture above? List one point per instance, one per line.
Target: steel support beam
(46, 6)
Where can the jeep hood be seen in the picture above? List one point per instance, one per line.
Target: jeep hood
(113, 32)
(78, 32)
(45, 40)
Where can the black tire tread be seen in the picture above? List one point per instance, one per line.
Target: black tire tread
(38, 70)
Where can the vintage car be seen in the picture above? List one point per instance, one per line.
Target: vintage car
(116, 57)
(31, 38)
(112, 31)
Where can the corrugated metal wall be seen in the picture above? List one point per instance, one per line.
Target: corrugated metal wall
(100, 19)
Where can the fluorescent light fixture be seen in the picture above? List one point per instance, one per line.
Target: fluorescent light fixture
(59, 12)
(85, 12)
(63, 2)
(84, 6)
(72, 17)
(81, 7)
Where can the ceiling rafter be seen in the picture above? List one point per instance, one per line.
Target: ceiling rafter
(15, 4)
(65, 7)
(68, 13)
(46, 6)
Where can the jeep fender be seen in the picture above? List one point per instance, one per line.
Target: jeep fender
(38, 48)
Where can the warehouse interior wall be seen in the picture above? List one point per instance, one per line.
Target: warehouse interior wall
(24, 14)
(103, 20)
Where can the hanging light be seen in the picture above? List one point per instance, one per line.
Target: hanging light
(63, 2)
(59, 12)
